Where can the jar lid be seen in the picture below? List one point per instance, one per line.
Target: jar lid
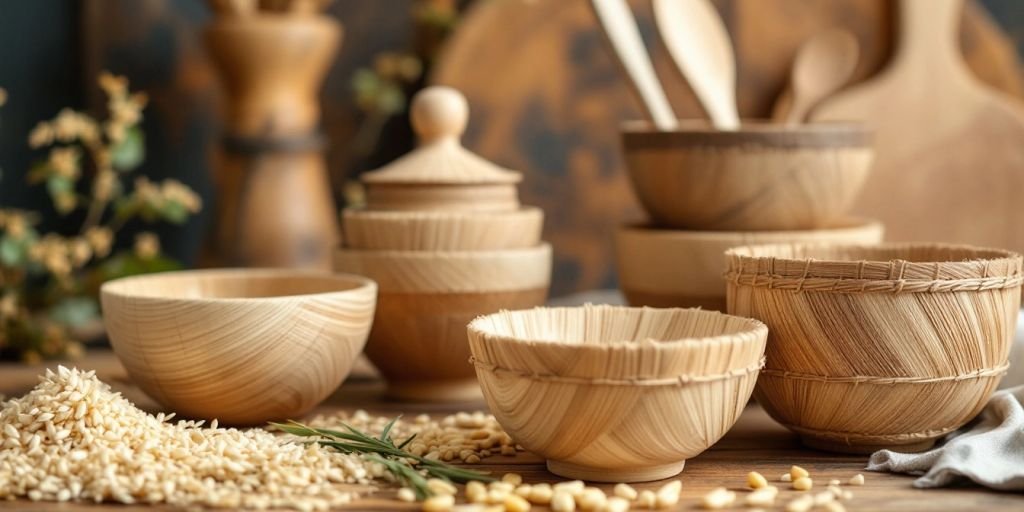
(439, 116)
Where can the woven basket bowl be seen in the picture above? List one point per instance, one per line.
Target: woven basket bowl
(887, 346)
(760, 177)
(418, 341)
(675, 268)
(242, 346)
(616, 394)
(442, 231)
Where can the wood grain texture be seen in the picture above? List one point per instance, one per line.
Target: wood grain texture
(885, 346)
(758, 178)
(754, 443)
(822, 66)
(614, 379)
(442, 231)
(547, 98)
(673, 268)
(948, 146)
(242, 346)
(450, 271)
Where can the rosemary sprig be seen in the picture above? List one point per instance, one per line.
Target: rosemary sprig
(404, 466)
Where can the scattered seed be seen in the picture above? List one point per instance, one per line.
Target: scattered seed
(439, 503)
(834, 506)
(515, 503)
(668, 495)
(592, 499)
(756, 480)
(797, 472)
(625, 491)
(647, 499)
(857, 479)
(616, 504)
(834, 481)
(438, 486)
(761, 498)
(803, 483)
(562, 501)
(716, 499)
(801, 504)
(786, 477)
(406, 494)
(541, 494)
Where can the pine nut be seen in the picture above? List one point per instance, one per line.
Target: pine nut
(592, 499)
(562, 501)
(717, 498)
(440, 503)
(835, 490)
(496, 496)
(501, 486)
(668, 495)
(438, 486)
(786, 477)
(834, 481)
(834, 506)
(573, 487)
(646, 499)
(616, 504)
(857, 479)
(756, 480)
(801, 504)
(803, 484)
(797, 472)
(625, 491)
(761, 498)
(406, 494)
(515, 503)
(512, 478)
(523, 490)
(822, 498)
(476, 492)
(541, 494)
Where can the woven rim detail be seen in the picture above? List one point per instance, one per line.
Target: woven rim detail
(896, 286)
(860, 379)
(678, 380)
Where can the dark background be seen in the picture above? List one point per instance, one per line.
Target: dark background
(52, 50)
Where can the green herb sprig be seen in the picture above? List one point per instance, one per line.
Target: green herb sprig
(404, 466)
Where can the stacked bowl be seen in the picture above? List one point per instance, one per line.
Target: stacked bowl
(707, 190)
(444, 236)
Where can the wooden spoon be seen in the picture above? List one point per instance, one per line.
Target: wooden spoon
(822, 66)
(699, 44)
(624, 36)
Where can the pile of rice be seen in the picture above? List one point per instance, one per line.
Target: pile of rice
(73, 438)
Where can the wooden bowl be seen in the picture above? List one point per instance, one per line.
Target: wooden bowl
(761, 177)
(672, 268)
(242, 346)
(442, 231)
(886, 346)
(418, 341)
(616, 394)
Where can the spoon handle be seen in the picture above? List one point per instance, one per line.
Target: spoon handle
(624, 36)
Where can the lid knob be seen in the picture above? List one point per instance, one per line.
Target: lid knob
(439, 112)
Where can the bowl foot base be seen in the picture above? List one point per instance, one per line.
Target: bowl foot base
(644, 474)
(467, 390)
(831, 445)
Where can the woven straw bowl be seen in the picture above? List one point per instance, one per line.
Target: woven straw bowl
(887, 346)
(426, 299)
(443, 230)
(616, 394)
(675, 268)
(760, 177)
(242, 346)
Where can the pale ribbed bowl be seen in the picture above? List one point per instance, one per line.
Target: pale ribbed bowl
(884, 346)
(616, 394)
(242, 346)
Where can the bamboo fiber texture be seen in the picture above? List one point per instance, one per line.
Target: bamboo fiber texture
(890, 345)
(242, 346)
(614, 393)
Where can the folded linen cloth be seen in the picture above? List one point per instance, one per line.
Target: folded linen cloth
(988, 451)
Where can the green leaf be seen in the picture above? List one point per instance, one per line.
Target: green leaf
(59, 185)
(174, 212)
(130, 153)
(75, 311)
(13, 252)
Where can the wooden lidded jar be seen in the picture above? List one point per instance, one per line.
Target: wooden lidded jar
(446, 239)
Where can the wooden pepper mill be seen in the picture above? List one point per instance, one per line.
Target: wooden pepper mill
(275, 206)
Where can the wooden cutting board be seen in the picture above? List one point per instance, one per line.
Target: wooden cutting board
(950, 150)
(547, 98)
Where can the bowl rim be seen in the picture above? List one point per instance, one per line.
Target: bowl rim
(648, 229)
(752, 331)
(465, 255)
(642, 134)
(115, 287)
(989, 263)
(362, 213)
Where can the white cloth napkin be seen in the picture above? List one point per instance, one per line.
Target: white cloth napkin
(988, 451)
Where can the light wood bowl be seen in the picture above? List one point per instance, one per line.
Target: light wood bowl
(242, 346)
(760, 177)
(442, 231)
(616, 394)
(886, 346)
(674, 268)
(418, 341)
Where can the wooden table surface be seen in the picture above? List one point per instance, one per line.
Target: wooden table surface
(755, 443)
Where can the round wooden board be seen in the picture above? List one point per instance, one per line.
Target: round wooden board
(547, 98)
